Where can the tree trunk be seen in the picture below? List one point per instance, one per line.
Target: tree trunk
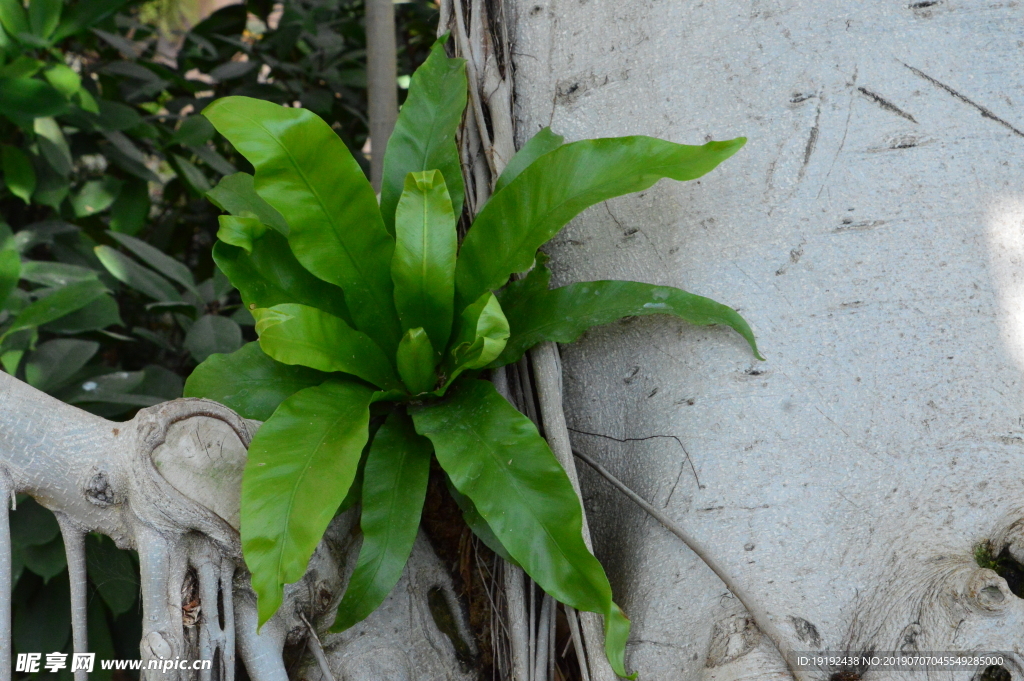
(381, 83)
(870, 231)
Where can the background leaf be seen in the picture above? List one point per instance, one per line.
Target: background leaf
(13, 18)
(64, 79)
(394, 489)
(423, 267)
(43, 16)
(96, 196)
(10, 272)
(212, 334)
(54, 362)
(32, 524)
(24, 99)
(83, 15)
(46, 560)
(194, 130)
(112, 572)
(130, 209)
(300, 466)
(192, 175)
(45, 622)
(59, 303)
(19, 175)
(494, 455)
(55, 273)
(99, 314)
(249, 381)
(117, 388)
(305, 172)
(53, 145)
(140, 278)
(158, 260)
(557, 187)
(424, 135)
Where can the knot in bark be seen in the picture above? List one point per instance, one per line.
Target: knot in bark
(99, 490)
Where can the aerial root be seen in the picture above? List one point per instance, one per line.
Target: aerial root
(74, 547)
(6, 492)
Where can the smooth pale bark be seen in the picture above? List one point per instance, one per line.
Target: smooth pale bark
(870, 231)
(167, 484)
(382, 86)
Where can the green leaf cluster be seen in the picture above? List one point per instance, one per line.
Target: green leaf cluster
(108, 291)
(372, 319)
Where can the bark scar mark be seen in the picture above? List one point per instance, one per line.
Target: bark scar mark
(806, 631)
(642, 439)
(885, 104)
(984, 111)
(812, 141)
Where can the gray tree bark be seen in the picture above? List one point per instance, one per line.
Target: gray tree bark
(870, 231)
(381, 83)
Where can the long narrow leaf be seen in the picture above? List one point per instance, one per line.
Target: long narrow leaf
(300, 466)
(13, 17)
(556, 187)
(306, 173)
(48, 273)
(394, 489)
(85, 14)
(140, 278)
(536, 314)
(63, 301)
(23, 99)
(495, 456)
(158, 260)
(10, 272)
(270, 275)
(477, 524)
(299, 334)
(43, 16)
(249, 381)
(540, 144)
(424, 136)
(19, 175)
(423, 267)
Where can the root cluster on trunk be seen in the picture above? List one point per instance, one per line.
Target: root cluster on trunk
(167, 484)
